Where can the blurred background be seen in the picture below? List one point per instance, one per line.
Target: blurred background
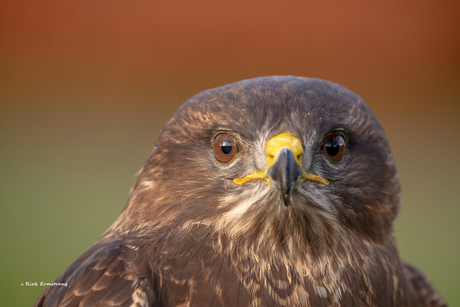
(86, 86)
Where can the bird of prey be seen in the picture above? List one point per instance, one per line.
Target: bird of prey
(274, 191)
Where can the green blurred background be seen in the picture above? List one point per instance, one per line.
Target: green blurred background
(85, 87)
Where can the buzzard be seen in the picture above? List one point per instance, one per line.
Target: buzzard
(274, 191)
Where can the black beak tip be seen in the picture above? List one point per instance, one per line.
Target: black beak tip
(286, 199)
(285, 173)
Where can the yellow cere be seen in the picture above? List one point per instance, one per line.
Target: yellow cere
(273, 149)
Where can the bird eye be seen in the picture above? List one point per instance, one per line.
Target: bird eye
(226, 148)
(334, 147)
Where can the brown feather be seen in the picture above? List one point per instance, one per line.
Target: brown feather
(189, 236)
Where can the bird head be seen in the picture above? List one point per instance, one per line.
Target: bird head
(274, 160)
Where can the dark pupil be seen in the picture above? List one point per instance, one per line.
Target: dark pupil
(226, 147)
(332, 147)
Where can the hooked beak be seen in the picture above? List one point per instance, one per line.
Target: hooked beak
(285, 173)
(284, 166)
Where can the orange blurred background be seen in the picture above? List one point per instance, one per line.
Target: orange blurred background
(86, 86)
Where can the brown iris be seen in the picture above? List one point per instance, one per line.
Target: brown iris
(226, 147)
(334, 147)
